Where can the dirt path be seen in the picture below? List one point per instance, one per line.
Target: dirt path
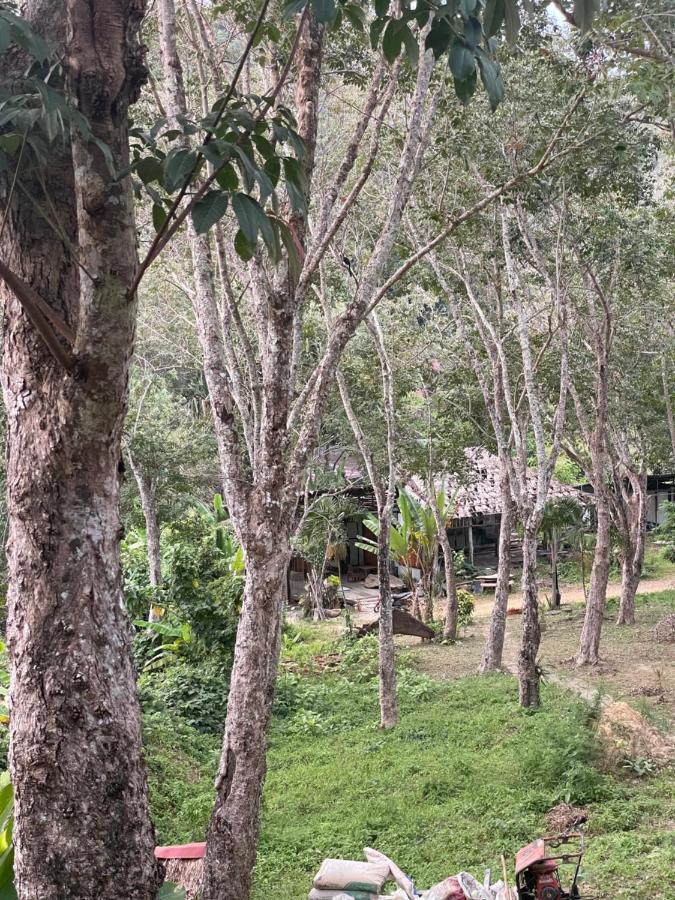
(573, 594)
(633, 666)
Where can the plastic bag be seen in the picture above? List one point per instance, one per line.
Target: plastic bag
(449, 889)
(406, 883)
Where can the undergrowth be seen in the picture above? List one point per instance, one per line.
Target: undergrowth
(465, 776)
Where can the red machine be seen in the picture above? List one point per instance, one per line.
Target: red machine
(538, 867)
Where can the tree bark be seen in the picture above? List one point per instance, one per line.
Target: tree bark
(633, 550)
(450, 626)
(667, 399)
(146, 491)
(75, 759)
(387, 664)
(494, 644)
(528, 674)
(235, 821)
(589, 644)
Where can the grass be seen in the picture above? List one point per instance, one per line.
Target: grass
(465, 776)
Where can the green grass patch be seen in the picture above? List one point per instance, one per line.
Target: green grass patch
(466, 775)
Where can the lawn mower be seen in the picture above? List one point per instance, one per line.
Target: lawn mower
(538, 867)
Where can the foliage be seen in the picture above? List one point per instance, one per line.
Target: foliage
(666, 530)
(7, 891)
(324, 534)
(194, 690)
(202, 585)
(669, 553)
(465, 606)
(401, 795)
(181, 763)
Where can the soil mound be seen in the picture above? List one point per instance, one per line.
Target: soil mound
(664, 631)
(564, 818)
(627, 733)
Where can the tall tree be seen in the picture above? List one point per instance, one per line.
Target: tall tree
(75, 758)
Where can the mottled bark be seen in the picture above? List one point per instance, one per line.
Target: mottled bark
(235, 821)
(632, 533)
(528, 673)
(384, 488)
(450, 625)
(387, 665)
(668, 401)
(75, 755)
(146, 492)
(589, 645)
(494, 644)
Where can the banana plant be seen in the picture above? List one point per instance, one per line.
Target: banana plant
(413, 541)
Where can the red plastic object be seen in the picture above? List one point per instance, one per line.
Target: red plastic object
(181, 851)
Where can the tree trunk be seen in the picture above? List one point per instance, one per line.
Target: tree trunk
(387, 665)
(528, 672)
(82, 826)
(667, 399)
(233, 829)
(589, 645)
(555, 587)
(450, 627)
(146, 492)
(494, 645)
(633, 554)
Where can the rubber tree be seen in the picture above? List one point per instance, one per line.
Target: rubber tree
(383, 481)
(68, 261)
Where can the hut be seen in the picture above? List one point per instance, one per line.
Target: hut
(477, 520)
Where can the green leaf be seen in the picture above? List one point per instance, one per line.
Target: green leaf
(466, 88)
(324, 11)
(584, 13)
(249, 215)
(209, 210)
(412, 49)
(244, 249)
(381, 8)
(149, 169)
(376, 28)
(170, 891)
(176, 167)
(273, 169)
(462, 62)
(473, 32)
(512, 20)
(493, 16)
(158, 216)
(491, 77)
(355, 16)
(5, 35)
(227, 177)
(291, 248)
(438, 38)
(392, 40)
(467, 8)
(10, 143)
(293, 7)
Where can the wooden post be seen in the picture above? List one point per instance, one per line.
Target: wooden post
(471, 544)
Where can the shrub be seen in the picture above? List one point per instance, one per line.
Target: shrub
(194, 690)
(669, 553)
(465, 607)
